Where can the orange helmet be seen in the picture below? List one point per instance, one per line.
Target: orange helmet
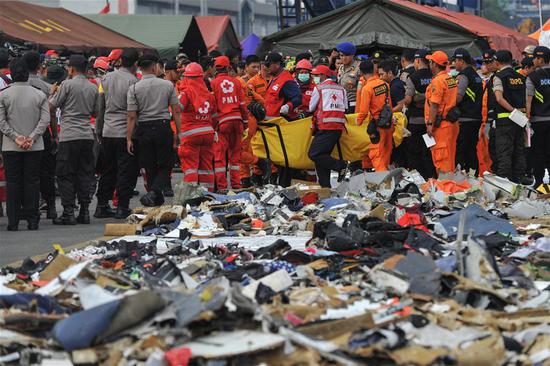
(115, 54)
(101, 63)
(304, 64)
(193, 69)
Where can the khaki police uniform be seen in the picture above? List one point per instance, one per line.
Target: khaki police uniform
(348, 77)
(150, 97)
(118, 168)
(47, 165)
(24, 111)
(75, 168)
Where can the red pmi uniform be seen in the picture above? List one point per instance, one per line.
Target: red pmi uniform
(331, 111)
(273, 99)
(196, 151)
(229, 97)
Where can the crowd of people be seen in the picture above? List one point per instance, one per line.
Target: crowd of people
(91, 126)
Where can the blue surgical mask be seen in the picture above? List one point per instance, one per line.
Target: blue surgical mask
(454, 73)
(317, 80)
(304, 78)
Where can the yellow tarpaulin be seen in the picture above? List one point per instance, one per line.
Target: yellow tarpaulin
(294, 138)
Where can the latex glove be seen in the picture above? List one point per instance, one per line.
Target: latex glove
(284, 109)
(215, 137)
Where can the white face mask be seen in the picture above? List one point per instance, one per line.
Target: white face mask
(317, 79)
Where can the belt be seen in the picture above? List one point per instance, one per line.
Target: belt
(153, 122)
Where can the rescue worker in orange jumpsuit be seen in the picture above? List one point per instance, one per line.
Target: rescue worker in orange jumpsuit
(282, 96)
(251, 68)
(328, 103)
(375, 94)
(259, 82)
(196, 151)
(247, 156)
(440, 99)
(232, 114)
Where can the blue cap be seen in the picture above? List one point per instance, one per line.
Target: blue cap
(363, 57)
(347, 48)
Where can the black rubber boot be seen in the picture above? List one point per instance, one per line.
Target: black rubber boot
(83, 215)
(103, 211)
(149, 199)
(67, 218)
(122, 213)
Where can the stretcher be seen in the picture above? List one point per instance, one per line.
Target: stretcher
(287, 143)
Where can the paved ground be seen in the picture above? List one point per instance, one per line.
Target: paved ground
(15, 246)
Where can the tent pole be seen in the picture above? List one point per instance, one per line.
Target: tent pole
(540, 14)
(177, 7)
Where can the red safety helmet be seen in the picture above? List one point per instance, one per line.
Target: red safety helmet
(52, 53)
(101, 63)
(304, 64)
(115, 54)
(221, 62)
(193, 69)
(322, 70)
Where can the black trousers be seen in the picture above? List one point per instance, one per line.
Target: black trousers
(466, 145)
(540, 149)
(47, 168)
(417, 155)
(22, 185)
(321, 147)
(156, 153)
(510, 150)
(75, 168)
(118, 170)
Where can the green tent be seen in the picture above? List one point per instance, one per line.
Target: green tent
(166, 33)
(392, 25)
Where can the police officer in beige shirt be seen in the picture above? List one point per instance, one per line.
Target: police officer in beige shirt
(77, 98)
(348, 73)
(119, 169)
(24, 115)
(148, 103)
(47, 165)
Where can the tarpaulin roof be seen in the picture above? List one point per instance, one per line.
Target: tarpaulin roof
(397, 23)
(57, 28)
(218, 32)
(166, 33)
(250, 44)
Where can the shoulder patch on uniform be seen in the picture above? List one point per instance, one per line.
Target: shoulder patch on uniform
(381, 89)
(451, 82)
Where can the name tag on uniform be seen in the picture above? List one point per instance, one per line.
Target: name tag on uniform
(379, 90)
(451, 83)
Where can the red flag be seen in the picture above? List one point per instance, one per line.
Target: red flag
(106, 9)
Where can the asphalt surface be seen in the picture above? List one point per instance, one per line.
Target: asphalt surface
(16, 246)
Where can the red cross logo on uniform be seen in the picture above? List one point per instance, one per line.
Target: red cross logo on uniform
(334, 97)
(227, 86)
(204, 109)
